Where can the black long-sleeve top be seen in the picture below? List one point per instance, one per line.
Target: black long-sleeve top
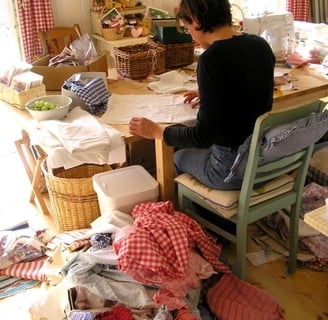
(235, 81)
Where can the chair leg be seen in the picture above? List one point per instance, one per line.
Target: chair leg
(240, 268)
(293, 237)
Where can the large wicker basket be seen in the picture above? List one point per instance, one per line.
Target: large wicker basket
(74, 202)
(176, 54)
(139, 61)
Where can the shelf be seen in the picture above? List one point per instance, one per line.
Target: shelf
(132, 10)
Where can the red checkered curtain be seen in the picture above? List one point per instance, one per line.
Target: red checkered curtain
(34, 16)
(301, 9)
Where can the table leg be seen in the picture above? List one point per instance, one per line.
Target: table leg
(165, 170)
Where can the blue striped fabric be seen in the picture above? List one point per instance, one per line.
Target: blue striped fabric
(282, 140)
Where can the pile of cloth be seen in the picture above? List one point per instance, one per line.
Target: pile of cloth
(157, 264)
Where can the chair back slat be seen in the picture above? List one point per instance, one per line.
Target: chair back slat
(54, 40)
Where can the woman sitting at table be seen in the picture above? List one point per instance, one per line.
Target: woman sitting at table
(235, 77)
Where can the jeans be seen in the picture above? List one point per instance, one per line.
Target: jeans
(209, 166)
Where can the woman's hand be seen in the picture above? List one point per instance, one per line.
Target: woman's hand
(145, 128)
(192, 97)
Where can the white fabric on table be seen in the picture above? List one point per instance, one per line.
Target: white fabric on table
(173, 81)
(166, 108)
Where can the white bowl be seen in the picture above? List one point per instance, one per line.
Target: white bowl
(63, 103)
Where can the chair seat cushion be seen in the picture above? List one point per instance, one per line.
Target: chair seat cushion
(318, 169)
(225, 202)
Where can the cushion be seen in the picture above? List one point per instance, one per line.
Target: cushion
(281, 140)
(232, 298)
(225, 202)
(318, 169)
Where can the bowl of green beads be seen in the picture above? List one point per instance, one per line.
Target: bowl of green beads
(51, 107)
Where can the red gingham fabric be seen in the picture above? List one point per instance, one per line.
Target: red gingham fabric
(34, 16)
(160, 242)
(185, 314)
(116, 313)
(234, 299)
(156, 250)
(301, 9)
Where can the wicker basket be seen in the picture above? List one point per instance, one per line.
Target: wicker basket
(139, 61)
(128, 3)
(113, 33)
(176, 54)
(73, 200)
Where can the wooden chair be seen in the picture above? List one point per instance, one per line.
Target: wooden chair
(56, 39)
(32, 157)
(280, 190)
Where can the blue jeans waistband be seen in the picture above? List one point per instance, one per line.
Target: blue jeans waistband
(217, 148)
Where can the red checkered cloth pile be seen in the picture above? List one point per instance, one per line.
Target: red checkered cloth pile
(156, 250)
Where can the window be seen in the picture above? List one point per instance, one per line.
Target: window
(9, 35)
(254, 7)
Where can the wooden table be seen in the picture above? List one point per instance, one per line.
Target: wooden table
(311, 86)
(163, 153)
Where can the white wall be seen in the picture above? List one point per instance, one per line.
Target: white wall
(66, 13)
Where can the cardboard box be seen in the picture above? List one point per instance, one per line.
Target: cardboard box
(121, 189)
(19, 98)
(54, 77)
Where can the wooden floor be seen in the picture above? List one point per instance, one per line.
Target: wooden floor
(302, 296)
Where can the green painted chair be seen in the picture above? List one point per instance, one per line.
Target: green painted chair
(277, 157)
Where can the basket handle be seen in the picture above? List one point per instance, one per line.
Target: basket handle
(154, 60)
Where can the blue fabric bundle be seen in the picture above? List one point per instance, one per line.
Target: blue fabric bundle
(101, 240)
(94, 93)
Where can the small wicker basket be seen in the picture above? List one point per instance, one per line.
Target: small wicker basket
(139, 61)
(128, 3)
(73, 200)
(113, 33)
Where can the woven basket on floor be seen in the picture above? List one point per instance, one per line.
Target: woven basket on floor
(139, 61)
(74, 202)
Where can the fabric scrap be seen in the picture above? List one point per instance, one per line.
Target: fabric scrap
(235, 299)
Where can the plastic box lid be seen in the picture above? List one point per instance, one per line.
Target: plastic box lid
(121, 188)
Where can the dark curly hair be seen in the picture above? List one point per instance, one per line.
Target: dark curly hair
(208, 13)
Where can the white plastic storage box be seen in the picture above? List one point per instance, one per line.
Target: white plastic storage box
(121, 189)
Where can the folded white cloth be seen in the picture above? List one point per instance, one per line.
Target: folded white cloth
(165, 108)
(173, 81)
(78, 139)
(78, 131)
